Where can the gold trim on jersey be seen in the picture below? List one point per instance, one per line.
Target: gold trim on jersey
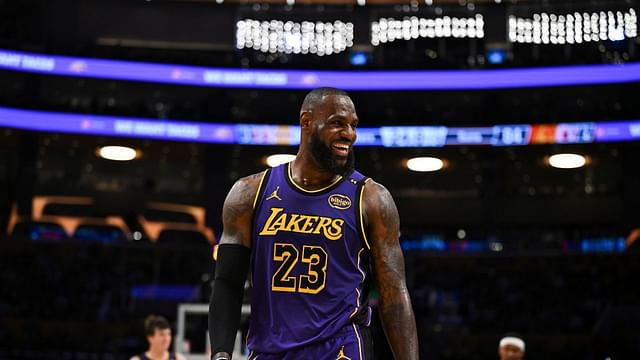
(214, 254)
(255, 199)
(290, 175)
(364, 233)
(364, 276)
(355, 311)
(359, 341)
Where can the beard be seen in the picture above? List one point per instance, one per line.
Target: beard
(325, 158)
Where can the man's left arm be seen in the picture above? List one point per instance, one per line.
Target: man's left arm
(383, 229)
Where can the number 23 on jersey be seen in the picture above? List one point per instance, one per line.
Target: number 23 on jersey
(288, 256)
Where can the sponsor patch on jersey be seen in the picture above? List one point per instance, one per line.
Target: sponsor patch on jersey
(339, 201)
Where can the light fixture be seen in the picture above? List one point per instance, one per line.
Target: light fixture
(117, 153)
(425, 164)
(389, 29)
(573, 28)
(496, 246)
(307, 37)
(567, 161)
(279, 159)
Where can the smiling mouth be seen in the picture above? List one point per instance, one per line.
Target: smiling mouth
(340, 149)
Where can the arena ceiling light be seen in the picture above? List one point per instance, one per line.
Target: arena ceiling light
(279, 159)
(117, 153)
(425, 164)
(567, 161)
(389, 29)
(289, 37)
(573, 28)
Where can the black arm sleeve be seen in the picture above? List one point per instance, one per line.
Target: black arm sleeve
(226, 298)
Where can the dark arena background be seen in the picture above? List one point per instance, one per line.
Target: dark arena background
(499, 236)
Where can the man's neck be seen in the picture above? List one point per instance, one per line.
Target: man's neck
(157, 354)
(307, 173)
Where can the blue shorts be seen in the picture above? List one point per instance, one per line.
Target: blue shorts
(352, 342)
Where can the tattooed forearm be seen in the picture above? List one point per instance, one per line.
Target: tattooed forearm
(395, 309)
(399, 327)
(395, 304)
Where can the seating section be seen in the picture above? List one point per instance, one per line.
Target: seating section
(39, 231)
(463, 303)
(104, 234)
(75, 218)
(82, 275)
(78, 296)
(182, 237)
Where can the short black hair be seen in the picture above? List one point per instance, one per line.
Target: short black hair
(153, 322)
(315, 96)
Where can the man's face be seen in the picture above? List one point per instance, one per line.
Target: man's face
(333, 134)
(161, 339)
(510, 352)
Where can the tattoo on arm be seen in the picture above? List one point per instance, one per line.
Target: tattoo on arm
(397, 317)
(237, 217)
(237, 213)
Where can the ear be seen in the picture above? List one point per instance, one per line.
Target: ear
(305, 120)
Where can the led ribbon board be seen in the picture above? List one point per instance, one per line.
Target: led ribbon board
(386, 136)
(302, 79)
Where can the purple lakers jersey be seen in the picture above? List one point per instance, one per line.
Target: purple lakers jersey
(310, 261)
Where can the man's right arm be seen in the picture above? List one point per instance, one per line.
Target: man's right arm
(232, 265)
(383, 230)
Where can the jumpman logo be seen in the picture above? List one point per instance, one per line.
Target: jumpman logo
(341, 354)
(274, 194)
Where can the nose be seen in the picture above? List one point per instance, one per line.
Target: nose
(349, 133)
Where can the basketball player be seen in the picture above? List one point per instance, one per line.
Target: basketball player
(511, 347)
(311, 230)
(158, 334)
